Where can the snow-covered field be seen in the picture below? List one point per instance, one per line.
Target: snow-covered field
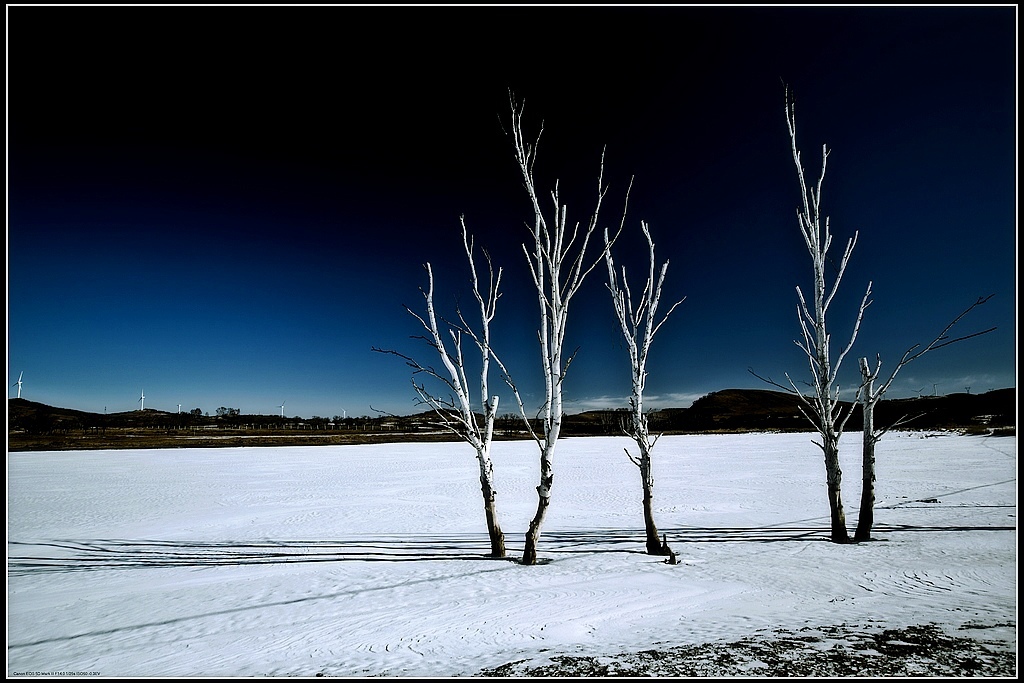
(368, 560)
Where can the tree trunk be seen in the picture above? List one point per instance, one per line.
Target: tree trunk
(487, 475)
(494, 531)
(655, 545)
(866, 518)
(543, 500)
(834, 476)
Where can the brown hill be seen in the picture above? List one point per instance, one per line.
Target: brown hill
(36, 426)
(737, 410)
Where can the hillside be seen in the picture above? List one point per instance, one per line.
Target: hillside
(739, 410)
(36, 426)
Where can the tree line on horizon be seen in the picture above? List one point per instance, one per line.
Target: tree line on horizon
(727, 410)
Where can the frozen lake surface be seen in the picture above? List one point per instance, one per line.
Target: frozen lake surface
(369, 560)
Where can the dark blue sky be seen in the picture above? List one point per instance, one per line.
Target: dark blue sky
(230, 206)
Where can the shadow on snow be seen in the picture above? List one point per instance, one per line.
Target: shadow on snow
(91, 555)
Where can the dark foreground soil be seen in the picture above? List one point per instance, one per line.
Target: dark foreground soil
(923, 650)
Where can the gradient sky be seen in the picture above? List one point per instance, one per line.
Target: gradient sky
(229, 206)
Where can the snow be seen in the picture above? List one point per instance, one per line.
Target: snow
(369, 560)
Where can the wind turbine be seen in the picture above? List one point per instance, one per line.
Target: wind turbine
(179, 409)
(282, 408)
(143, 401)
(18, 383)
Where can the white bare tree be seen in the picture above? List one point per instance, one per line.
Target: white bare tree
(869, 395)
(822, 407)
(639, 324)
(456, 412)
(558, 265)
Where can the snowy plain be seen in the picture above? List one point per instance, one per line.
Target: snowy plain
(368, 560)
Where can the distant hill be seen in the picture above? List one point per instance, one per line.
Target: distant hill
(740, 409)
(730, 410)
(733, 410)
(34, 417)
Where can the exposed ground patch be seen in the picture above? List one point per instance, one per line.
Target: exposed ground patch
(922, 650)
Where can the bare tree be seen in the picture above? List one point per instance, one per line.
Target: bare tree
(558, 264)
(639, 324)
(822, 408)
(869, 395)
(456, 412)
